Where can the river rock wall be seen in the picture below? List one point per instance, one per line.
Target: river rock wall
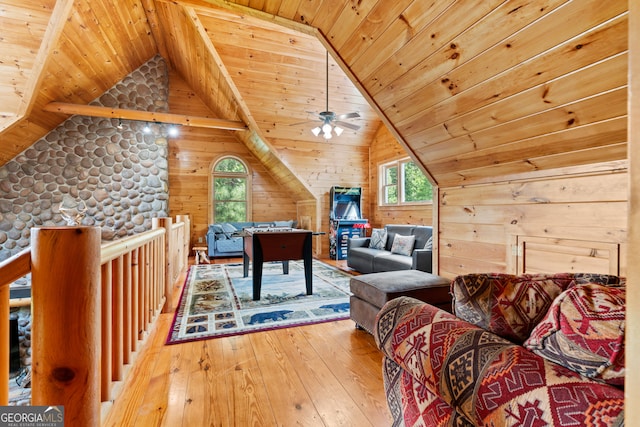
(112, 167)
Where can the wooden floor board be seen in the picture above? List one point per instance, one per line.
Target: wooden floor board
(327, 374)
(360, 376)
(337, 407)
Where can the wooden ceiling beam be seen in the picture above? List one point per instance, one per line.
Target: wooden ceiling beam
(144, 116)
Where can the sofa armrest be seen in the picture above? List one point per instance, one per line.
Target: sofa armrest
(482, 376)
(210, 237)
(358, 242)
(422, 260)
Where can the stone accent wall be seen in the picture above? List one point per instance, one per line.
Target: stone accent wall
(119, 172)
(114, 167)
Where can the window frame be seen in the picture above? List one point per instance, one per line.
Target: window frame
(247, 175)
(383, 185)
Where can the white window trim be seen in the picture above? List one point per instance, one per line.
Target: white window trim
(382, 168)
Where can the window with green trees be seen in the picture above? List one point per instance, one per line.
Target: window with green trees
(402, 182)
(231, 190)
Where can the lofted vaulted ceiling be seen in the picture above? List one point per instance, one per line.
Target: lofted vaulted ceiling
(477, 90)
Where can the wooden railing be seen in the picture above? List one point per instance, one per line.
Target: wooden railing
(92, 308)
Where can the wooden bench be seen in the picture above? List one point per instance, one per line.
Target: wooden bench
(200, 253)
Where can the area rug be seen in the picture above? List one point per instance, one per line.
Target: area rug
(217, 301)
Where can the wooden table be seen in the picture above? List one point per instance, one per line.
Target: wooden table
(275, 245)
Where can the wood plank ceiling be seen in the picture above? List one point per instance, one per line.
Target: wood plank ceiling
(477, 90)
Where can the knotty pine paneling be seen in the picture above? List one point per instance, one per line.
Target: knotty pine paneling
(385, 148)
(479, 224)
(539, 98)
(191, 156)
(324, 164)
(544, 254)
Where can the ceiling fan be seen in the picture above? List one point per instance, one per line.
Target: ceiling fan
(331, 122)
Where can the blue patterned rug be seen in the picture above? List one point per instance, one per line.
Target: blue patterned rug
(217, 301)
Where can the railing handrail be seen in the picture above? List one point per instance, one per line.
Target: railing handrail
(19, 265)
(112, 250)
(15, 267)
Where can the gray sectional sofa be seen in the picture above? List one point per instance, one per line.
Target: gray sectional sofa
(361, 256)
(222, 240)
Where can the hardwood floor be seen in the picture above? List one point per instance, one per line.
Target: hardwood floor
(327, 374)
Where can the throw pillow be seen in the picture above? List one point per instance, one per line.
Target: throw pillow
(584, 331)
(378, 238)
(403, 245)
(228, 229)
(429, 245)
(508, 305)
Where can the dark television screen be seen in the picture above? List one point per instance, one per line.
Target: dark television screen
(346, 210)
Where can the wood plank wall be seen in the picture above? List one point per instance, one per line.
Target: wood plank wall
(477, 224)
(191, 156)
(632, 389)
(385, 148)
(324, 164)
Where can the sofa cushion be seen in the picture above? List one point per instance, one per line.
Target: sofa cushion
(228, 229)
(215, 228)
(403, 245)
(386, 261)
(378, 238)
(361, 259)
(422, 233)
(243, 225)
(584, 331)
(508, 305)
(511, 306)
(234, 244)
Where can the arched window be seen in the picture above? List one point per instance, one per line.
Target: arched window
(230, 190)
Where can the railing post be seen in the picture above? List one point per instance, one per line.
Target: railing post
(65, 267)
(4, 339)
(166, 223)
(187, 238)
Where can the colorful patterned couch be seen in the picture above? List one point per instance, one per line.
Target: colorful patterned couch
(531, 350)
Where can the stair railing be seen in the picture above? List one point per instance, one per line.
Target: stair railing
(93, 307)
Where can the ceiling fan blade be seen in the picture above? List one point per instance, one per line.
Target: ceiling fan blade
(304, 123)
(347, 125)
(348, 116)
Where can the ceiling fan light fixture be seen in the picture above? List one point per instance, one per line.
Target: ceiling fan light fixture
(328, 118)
